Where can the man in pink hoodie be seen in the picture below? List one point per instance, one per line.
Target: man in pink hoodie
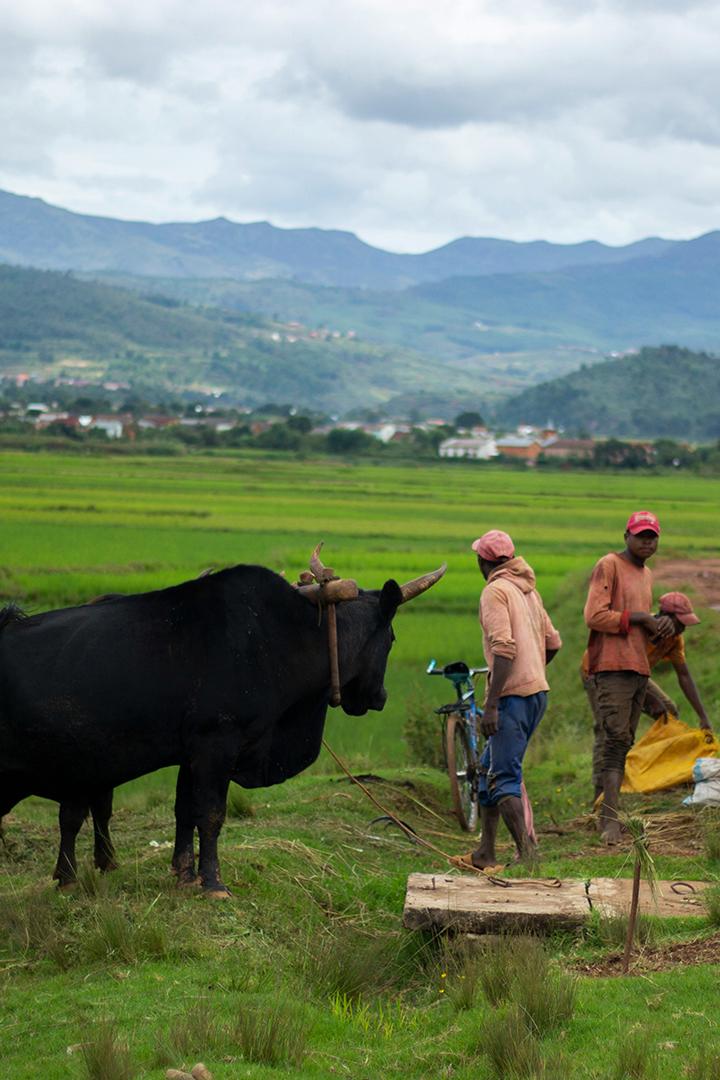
(519, 640)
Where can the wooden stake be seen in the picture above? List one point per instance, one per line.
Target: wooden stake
(632, 918)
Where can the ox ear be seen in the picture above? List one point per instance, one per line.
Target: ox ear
(391, 598)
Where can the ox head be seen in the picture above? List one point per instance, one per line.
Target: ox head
(366, 637)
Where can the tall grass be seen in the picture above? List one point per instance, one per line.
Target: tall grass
(511, 1048)
(105, 1056)
(636, 1057)
(273, 1034)
(711, 899)
(710, 822)
(705, 1064)
(352, 963)
(269, 1033)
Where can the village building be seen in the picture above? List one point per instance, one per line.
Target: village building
(478, 448)
(524, 447)
(569, 448)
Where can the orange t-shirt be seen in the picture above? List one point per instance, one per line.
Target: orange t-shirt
(671, 649)
(617, 588)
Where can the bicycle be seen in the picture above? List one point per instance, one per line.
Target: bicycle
(461, 741)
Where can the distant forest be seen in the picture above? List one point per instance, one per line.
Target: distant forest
(666, 391)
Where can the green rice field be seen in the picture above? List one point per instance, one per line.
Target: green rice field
(74, 527)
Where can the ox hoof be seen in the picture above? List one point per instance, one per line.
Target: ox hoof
(218, 892)
(67, 886)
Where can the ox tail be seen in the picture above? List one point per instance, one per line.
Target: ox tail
(10, 613)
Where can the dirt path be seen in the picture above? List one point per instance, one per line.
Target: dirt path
(700, 576)
(661, 958)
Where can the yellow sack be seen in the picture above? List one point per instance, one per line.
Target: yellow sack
(665, 755)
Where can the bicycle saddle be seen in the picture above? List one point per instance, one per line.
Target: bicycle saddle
(458, 668)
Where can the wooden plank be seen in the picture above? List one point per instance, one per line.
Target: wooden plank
(472, 904)
(611, 896)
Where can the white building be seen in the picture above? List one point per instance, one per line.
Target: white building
(475, 449)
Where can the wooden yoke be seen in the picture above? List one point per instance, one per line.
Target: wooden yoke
(322, 587)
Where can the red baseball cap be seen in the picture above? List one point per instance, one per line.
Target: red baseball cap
(677, 603)
(494, 545)
(642, 520)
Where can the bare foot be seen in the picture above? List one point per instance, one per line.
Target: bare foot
(529, 857)
(482, 859)
(611, 832)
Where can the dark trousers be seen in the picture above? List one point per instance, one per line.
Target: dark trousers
(656, 703)
(618, 698)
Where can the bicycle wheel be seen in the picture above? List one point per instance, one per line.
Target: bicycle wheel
(462, 769)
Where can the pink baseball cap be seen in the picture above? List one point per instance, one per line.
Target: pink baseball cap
(677, 603)
(494, 545)
(642, 520)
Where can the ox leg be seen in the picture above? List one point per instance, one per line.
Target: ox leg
(11, 793)
(10, 796)
(210, 801)
(101, 809)
(70, 817)
(183, 860)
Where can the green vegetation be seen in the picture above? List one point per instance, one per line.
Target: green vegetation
(306, 971)
(75, 527)
(666, 391)
(82, 329)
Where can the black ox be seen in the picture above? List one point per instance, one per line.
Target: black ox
(227, 676)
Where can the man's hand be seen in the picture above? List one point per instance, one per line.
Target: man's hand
(489, 721)
(705, 726)
(658, 626)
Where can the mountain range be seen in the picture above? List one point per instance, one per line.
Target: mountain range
(287, 314)
(34, 233)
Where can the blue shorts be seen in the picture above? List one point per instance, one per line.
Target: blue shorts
(502, 758)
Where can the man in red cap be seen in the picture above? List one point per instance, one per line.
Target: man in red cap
(618, 615)
(670, 649)
(519, 640)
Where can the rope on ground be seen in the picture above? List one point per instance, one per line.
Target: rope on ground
(550, 883)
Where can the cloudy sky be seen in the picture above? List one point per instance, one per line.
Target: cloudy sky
(410, 122)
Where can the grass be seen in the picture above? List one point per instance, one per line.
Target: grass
(272, 1035)
(312, 933)
(510, 1046)
(710, 817)
(705, 1065)
(636, 1057)
(75, 527)
(106, 1057)
(711, 897)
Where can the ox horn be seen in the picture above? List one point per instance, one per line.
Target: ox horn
(320, 572)
(418, 585)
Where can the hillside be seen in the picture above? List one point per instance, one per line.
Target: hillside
(673, 296)
(665, 391)
(590, 310)
(34, 233)
(51, 322)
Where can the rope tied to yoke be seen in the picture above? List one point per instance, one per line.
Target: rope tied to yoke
(320, 577)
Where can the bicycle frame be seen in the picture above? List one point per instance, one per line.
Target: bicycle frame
(461, 738)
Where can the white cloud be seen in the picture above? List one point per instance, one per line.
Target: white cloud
(409, 123)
